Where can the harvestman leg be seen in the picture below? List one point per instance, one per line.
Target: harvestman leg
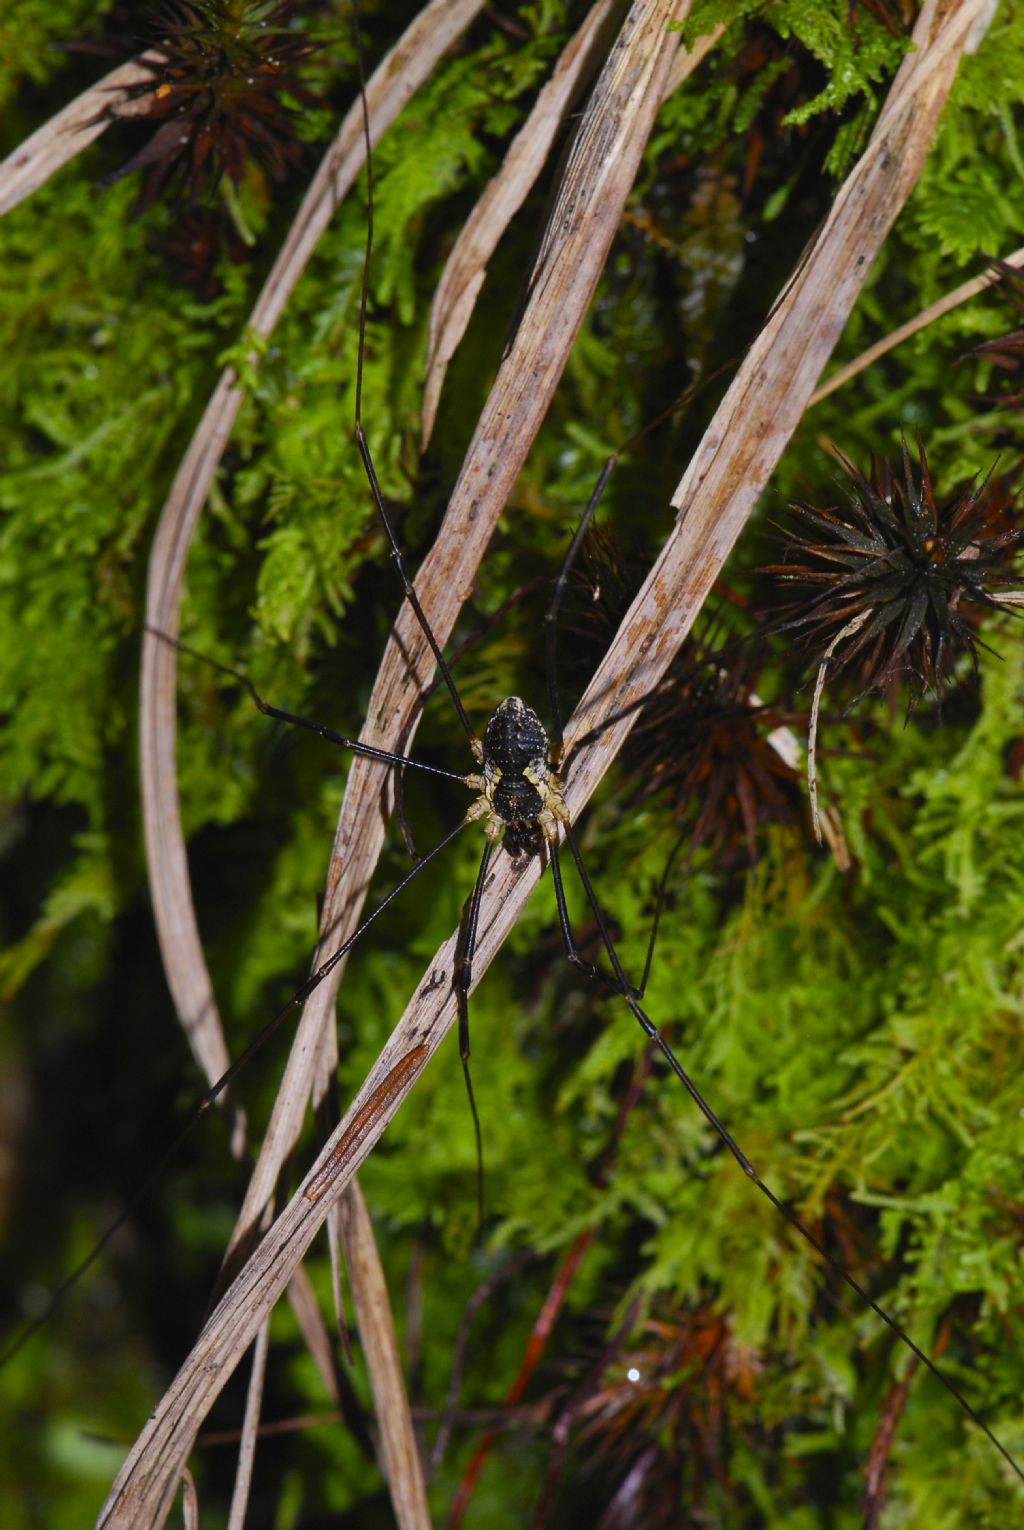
(364, 445)
(368, 751)
(462, 982)
(214, 1092)
(467, 942)
(617, 980)
(618, 983)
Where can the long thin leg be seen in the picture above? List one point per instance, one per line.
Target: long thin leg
(364, 446)
(463, 971)
(211, 1095)
(619, 984)
(555, 605)
(558, 595)
(568, 940)
(659, 907)
(462, 983)
(385, 756)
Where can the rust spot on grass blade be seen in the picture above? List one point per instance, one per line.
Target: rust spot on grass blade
(365, 1119)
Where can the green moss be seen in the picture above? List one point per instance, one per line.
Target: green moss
(861, 1034)
(33, 35)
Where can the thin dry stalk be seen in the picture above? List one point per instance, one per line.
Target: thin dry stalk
(323, 1090)
(189, 1502)
(687, 59)
(936, 310)
(812, 731)
(394, 82)
(717, 493)
(400, 1454)
(466, 267)
(316, 1337)
(776, 380)
(250, 1430)
(598, 177)
(76, 126)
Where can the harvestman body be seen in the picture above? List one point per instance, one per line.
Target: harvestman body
(523, 807)
(520, 794)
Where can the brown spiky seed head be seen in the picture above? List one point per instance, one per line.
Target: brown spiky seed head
(704, 741)
(219, 93)
(893, 583)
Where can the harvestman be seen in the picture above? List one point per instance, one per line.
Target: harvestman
(519, 798)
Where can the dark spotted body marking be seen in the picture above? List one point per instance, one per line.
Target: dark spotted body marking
(522, 803)
(520, 792)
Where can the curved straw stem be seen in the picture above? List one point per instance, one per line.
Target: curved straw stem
(79, 124)
(598, 179)
(717, 494)
(400, 74)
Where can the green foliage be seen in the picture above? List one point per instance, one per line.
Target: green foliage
(969, 199)
(860, 1033)
(856, 60)
(32, 35)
